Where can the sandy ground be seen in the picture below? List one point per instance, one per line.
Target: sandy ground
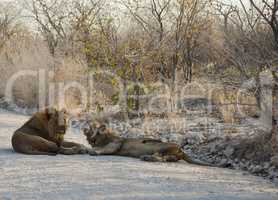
(83, 177)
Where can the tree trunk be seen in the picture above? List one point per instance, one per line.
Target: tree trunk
(258, 92)
(275, 35)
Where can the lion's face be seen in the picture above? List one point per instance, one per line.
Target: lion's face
(57, 124)
(97, 135)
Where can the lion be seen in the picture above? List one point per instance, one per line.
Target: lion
(43, 134)
(105, 142)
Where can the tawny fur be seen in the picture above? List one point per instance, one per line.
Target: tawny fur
(105, 142)
(43, 134)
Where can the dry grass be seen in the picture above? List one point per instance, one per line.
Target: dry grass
(26, 53)
(233, 105)
(23, 54)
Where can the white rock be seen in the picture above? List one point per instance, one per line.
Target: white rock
(229, 151)
(274, 161)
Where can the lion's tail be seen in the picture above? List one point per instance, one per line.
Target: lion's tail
(186, 158)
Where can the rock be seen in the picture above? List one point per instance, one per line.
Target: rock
(257, 169)
(228, 152)
(249, 155)
(243, 166)
(3, 104)
(275, 181)
(250, 168)
(245, 173)
(266, 165)
(273, 173)
(223, 162)
(274, 139)
(274, 161)
(271, 170)
(213, 148)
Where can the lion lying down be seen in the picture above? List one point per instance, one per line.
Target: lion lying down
(44, 134)
(105, 142)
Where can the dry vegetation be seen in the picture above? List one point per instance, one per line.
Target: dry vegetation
(172, 41)
(175, 42)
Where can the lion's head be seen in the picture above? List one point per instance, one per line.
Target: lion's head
(57, 124)
(98, 134)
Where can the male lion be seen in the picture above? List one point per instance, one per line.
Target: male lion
(44, 134)
(105, 142)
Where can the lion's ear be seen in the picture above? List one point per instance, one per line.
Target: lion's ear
(51, 112)
(64, 112)
(96, 124)
(86, 131)
(102, 128)
(48, 113)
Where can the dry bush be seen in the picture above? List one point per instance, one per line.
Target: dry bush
(274, 140)
(19, 54)
(232, 104)
(70, 71)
